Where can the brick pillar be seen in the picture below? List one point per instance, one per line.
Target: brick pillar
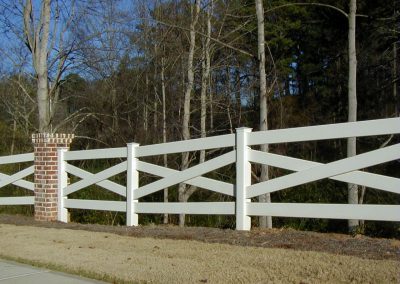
(46, 171)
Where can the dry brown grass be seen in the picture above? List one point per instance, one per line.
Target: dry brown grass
(123, 258)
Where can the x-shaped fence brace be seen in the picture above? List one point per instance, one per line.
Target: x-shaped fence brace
(169, 176)
(343, 170)
(17, 179)
(190, 176)
(99, 178)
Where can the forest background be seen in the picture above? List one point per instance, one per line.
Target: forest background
(122, 71)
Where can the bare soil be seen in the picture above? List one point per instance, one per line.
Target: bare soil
(169, 254)
(360, 246)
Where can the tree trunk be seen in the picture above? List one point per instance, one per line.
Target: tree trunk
(115, 115)
(13, 137)
(164, 130)
(352, 113)
(186, 103)
(228, 92)
(37, 39)
(238, 97)
(211, 105)
(395, 83)
(265, 221)
(204, 81)
(145, 108)
(156, 98)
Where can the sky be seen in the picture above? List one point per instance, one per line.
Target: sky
(15, 54)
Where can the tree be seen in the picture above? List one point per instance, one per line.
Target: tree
(183, 191)
(37, 40)
(205, 77)
(352, 97)
(46, 29)
(265, 221)
(104, 46)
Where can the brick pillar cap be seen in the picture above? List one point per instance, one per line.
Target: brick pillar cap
(58, 138)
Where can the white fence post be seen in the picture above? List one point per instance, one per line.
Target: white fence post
(243, 179)
(132, 184)
(62, 212)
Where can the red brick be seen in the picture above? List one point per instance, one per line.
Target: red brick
(46, 173)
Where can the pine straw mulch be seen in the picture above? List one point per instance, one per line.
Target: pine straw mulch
(359, 246)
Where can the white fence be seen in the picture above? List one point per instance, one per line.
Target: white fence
(237, 150)
(17, 179)
(345, 170)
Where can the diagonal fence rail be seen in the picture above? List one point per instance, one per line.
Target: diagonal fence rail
(237, 150)
(133, 166)
(345, 170)
(17, 179)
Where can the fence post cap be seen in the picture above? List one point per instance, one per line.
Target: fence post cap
(244, 129)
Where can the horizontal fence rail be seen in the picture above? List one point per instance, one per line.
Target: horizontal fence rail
(95, 154)
(239, 194)
(23, 200)
(205, 208)
(102, 205)
(326, 211)
(348, 170)
(329, 131)
(17, 179)
(215, 142)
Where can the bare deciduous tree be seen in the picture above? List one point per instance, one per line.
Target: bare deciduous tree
(265, 221)
(46, 28)
(205, 77)
(183, 193)
(352, 96)
(37, 39)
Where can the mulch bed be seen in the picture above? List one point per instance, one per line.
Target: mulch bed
(360, 246)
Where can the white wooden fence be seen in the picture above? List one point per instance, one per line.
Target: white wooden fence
(345, 170)
(17, 179)
(238, 151)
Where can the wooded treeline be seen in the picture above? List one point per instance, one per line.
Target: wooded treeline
(157, 71)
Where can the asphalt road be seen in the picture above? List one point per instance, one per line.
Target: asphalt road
(16, 273)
